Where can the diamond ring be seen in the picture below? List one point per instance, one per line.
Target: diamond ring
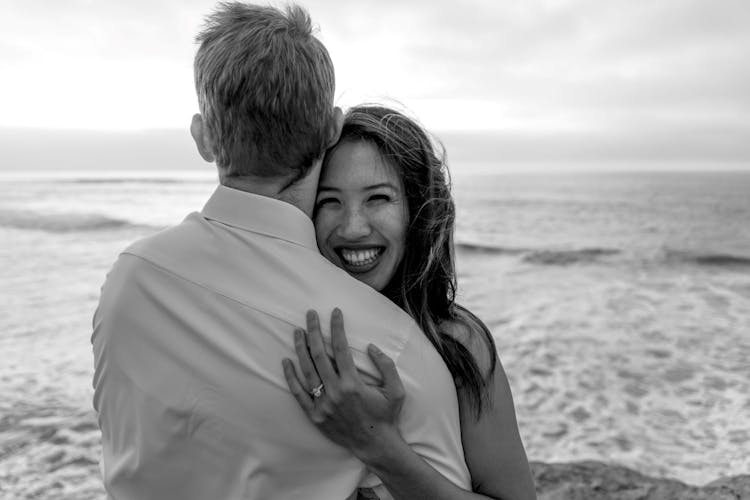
(317, 391)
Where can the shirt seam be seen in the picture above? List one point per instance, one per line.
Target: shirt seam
(114, 363)
(239, 302)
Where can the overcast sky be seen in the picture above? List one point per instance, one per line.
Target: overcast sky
(671, 77)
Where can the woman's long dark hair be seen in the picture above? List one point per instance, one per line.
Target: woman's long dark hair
(425, 282)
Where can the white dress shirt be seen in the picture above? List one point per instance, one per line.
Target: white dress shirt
(188, 339)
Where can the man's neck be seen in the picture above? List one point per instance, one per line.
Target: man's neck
(301, 194)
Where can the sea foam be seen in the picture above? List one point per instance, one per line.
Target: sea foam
(62, 222)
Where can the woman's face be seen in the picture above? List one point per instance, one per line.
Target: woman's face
(361, 213)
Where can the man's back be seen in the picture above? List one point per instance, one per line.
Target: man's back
(188, 341)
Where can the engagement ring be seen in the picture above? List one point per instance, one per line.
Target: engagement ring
(317, 391)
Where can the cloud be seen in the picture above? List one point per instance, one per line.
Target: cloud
(670, 75)
(662, 68)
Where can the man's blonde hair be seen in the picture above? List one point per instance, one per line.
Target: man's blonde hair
(265, 88)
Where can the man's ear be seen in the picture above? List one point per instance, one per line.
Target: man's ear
(334, 132)
(202, 137)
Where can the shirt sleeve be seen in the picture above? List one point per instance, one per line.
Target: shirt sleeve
(429, 420)
(143, 401)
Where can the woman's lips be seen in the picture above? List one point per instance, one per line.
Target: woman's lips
(360, 260)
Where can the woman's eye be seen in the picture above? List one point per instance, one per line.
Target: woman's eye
(326, 201)
(380, 197)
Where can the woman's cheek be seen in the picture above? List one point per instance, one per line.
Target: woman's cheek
(324, 226)
(388, 216)
(392, 222)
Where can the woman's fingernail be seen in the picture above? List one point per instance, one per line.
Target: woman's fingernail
(374, 349)
(297, 334)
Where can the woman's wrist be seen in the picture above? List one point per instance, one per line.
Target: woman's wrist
(381, 447)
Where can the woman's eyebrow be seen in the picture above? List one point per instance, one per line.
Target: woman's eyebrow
(322, 187)
(380, 185)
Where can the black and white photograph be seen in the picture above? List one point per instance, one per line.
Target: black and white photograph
(375, 250)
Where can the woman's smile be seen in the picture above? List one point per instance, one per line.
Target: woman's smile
(360, 260)
(361, 213)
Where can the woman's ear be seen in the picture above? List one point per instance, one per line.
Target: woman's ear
(202, 137)
(337, 124)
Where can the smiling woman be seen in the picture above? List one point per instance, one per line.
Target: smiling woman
(361, 213)
(385, 214)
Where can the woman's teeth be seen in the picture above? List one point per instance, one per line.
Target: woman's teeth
(360, 257)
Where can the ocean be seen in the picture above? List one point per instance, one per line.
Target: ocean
(620, 304)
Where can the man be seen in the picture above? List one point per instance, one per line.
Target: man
(193, 322)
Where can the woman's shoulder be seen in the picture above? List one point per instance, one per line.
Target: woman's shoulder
(470, 332)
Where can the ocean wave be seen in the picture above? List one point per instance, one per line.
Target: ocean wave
(543, 256)
(588, 255)
(136, 180)
(63, 222)
(489, 248)
(706, 259)
(568, 257)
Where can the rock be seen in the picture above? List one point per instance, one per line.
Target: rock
(739, 486)
(599, 481)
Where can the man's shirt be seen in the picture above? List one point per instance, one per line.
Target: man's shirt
(188, 339)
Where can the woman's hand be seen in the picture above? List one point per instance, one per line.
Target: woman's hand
(362, 417)
(358, 416)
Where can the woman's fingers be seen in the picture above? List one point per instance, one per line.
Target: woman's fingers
(341, 352)
(318, 352)
(392, 385)
(310, 374)
(296, 388)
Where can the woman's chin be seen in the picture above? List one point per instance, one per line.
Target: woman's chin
(373, 277)
(369, 279)
(372, 274)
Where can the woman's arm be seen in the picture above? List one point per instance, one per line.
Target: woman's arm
(362, 418)
(492, 444)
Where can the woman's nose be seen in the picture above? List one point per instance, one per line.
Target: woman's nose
(355, 225)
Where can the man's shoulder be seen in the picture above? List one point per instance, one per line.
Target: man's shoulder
(266, 274)
(171, 240)
(136, 264)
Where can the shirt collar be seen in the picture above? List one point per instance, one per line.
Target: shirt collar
(260, 214)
